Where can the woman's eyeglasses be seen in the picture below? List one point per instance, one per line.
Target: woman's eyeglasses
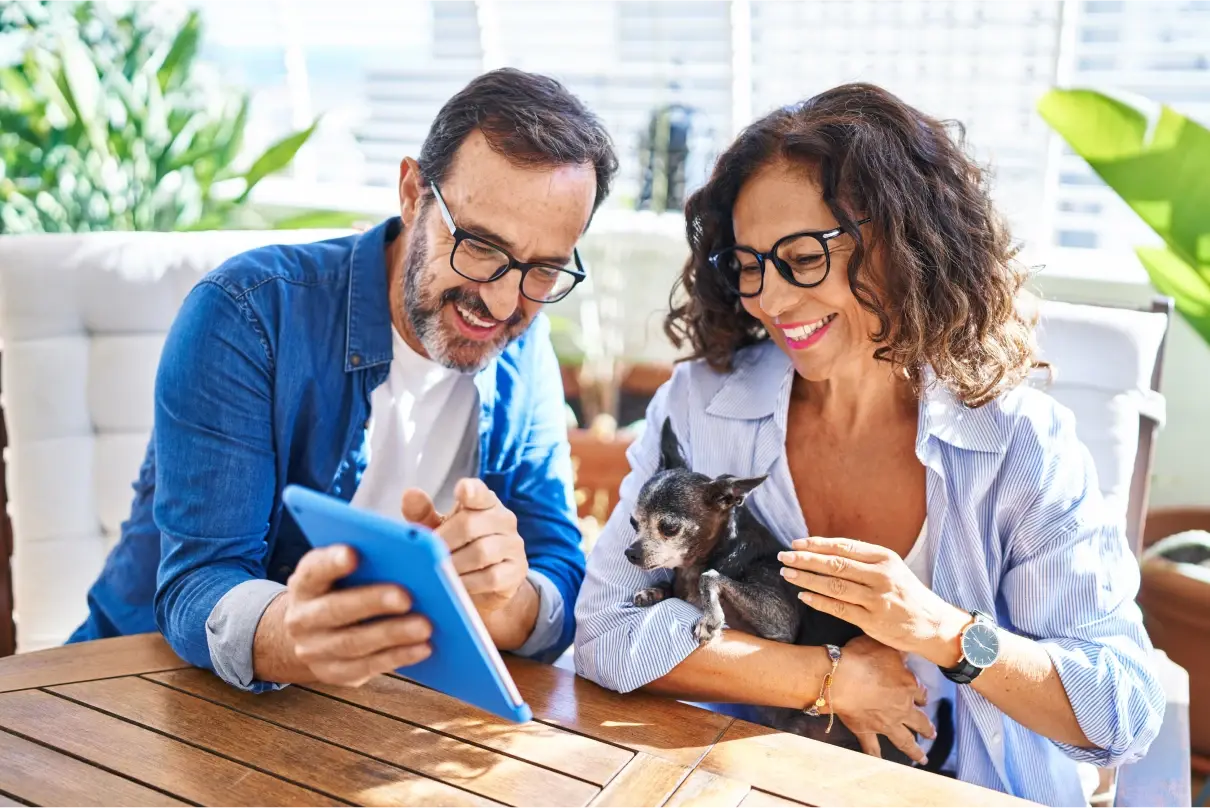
(477, 259)
(803, 259)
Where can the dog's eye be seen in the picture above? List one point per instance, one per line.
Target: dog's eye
(634, 523)
(668, 528)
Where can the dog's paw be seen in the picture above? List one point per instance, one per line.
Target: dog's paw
(648, 597)
(708, 629)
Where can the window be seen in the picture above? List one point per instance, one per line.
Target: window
(1083, 239)
(1079, 206)
(1100, 35)
(378, 78)
(1079, 178)
(1090, 63)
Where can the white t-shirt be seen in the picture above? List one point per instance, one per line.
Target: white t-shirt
(423, 432)
(420, 420)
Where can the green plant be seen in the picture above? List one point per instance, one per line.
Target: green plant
(1160, 167)
(107, 124)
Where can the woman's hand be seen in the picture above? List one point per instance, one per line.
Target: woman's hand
(874, 693)
(872, 588)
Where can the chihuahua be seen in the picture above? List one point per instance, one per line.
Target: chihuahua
(725, 563)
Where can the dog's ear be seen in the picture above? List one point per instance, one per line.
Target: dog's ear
(730, 492)
(670, 449)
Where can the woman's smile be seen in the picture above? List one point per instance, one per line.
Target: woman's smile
(802, 335)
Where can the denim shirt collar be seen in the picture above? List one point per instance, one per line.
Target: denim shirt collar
(368, 324)
(752, 391)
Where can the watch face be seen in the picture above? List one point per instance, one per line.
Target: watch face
(981, 645)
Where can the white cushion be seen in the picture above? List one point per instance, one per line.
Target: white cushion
(83, 319)
(1102, 361)
(53, 579)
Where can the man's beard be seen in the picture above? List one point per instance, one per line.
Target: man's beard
(424, 309)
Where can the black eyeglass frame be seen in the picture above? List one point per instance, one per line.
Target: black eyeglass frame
(783, 268)
(460, 235)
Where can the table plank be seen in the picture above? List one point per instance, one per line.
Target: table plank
(119, 656)
(701, 788)
(763, 799)
(140, 754)
(646, 780)
(45, 777)
(558, 749)
(664, 728)
(483, 771)
(339, 772)
(817, 773)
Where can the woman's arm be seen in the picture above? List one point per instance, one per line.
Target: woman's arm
(741, 668)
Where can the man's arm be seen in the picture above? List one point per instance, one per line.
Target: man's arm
(215, 475)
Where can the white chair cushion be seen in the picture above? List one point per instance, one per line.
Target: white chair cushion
(83, 319)
(1102, 361)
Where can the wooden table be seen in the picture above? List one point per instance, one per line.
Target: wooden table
(125, 722)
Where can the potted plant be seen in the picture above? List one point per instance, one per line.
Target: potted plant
(1159, 164)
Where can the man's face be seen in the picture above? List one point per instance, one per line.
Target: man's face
(537, 214)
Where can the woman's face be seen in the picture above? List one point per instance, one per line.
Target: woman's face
(823, 329)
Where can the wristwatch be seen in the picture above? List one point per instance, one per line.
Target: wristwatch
(980, 643)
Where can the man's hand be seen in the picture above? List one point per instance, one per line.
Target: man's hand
(487, 551)
(488, 554)
(324, 633)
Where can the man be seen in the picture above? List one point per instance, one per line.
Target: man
(405, 368)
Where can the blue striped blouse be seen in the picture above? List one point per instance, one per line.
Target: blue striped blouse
(1020, 530)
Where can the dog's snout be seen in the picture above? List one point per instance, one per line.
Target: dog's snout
(633, 554)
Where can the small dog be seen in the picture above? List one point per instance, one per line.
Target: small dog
(725, 563)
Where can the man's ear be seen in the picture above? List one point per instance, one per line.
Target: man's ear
(411, 190)
(670, 449)
(730, 492)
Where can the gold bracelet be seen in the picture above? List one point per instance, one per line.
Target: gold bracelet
(825, 690)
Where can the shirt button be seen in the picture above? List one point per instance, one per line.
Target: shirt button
(355, 360)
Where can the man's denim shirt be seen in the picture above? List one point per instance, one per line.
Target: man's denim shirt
(264, 381)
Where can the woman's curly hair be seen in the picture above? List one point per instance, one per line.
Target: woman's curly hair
(949, 297)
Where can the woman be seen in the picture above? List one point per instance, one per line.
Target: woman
(854, 335)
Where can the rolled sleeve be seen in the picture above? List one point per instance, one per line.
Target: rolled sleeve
(548, 626)
(621, 646)
(231, 632)
(1070, 584)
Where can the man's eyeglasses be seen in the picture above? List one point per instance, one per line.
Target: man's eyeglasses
(477, 259)
(803, 259)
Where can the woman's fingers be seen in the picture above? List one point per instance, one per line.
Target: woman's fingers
(869, 743)
(907, 744)
(919, 723)
(833, 587)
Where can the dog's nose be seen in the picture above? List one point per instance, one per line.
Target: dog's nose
(632, 554)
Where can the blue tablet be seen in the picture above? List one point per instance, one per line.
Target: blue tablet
(465, 663)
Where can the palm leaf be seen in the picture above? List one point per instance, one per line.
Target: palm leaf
(275, 158)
